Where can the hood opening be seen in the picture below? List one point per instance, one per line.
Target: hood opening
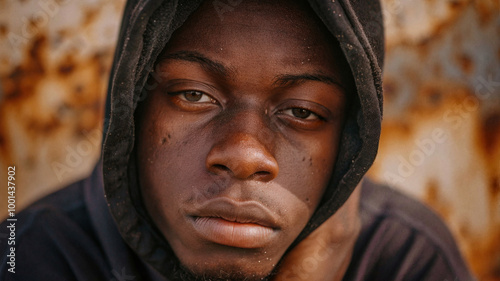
(146, 29)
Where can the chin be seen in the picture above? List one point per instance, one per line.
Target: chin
(224, 271)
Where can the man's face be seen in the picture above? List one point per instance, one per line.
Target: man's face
(237, 143)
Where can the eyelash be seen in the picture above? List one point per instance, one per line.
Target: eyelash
(182, 100)
(308, 112)
(182, 95)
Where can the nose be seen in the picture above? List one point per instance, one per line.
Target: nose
(244, 157)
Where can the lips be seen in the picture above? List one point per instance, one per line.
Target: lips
(237, 224)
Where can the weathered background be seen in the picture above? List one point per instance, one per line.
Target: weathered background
(441, 136)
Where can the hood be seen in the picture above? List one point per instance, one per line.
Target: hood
(146, 28)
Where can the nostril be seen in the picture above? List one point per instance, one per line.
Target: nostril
(220, 167)
(262, 173)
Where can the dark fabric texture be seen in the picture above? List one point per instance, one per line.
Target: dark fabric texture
(402, 240)
(147, 27)
(70, 235)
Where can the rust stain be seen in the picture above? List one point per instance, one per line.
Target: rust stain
(489, 146)
(67, 66)
(484, 256)
(44, 126)
(90, 16)
(396, 129)
(465, 63)
(491, 133)
(457, 8)
(435, 200)
(21, 81)
(494, 187)
(82, 78)
(437, 69)
(3, 30)
(390, 90)
(454, 4)
(487, 10)
(434, 98)
(101, 60)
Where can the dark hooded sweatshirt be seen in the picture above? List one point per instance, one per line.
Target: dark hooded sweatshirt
(98, 229)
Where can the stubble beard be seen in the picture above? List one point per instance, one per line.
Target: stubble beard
(184, 274)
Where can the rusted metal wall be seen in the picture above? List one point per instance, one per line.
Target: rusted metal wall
(441, 133)
(55, 57)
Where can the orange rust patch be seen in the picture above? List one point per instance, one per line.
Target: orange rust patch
(486, 10)
(390, 90)
(438, 70)
(435, 98)
(82, 79)
(494, 187)
(45, 127)
(456, 10)
(491, 133)
(67, 66)
(21, 81)
(435, 200)
(484, 256)
(90, 16)
(396, 129)
(455, 4)
(3, 30)
(465, 63)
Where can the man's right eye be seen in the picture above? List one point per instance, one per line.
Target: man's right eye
(195, 96)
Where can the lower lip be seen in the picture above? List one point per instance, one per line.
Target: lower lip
(234, 234)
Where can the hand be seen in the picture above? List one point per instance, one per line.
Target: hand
(325, 254)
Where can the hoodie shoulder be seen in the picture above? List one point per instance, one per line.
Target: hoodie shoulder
(402, 239)
(54, 240)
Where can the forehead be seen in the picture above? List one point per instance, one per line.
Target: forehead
(278, 36)
(283, 19)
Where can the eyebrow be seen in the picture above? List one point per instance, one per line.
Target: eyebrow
(206, 63)
(291, 79)
(219, 68)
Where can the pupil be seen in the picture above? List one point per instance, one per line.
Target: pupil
(193, 96)
(301, 113)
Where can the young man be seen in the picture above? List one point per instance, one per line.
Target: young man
(236, 140)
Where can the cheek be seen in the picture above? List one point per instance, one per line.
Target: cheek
(171, 162)
(306, 167)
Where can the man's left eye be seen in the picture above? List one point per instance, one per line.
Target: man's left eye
(196, 96)
(301, 113)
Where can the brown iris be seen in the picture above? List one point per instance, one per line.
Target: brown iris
(301, 113)
(193, 95)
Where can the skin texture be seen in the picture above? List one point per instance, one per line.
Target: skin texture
(237, 143)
